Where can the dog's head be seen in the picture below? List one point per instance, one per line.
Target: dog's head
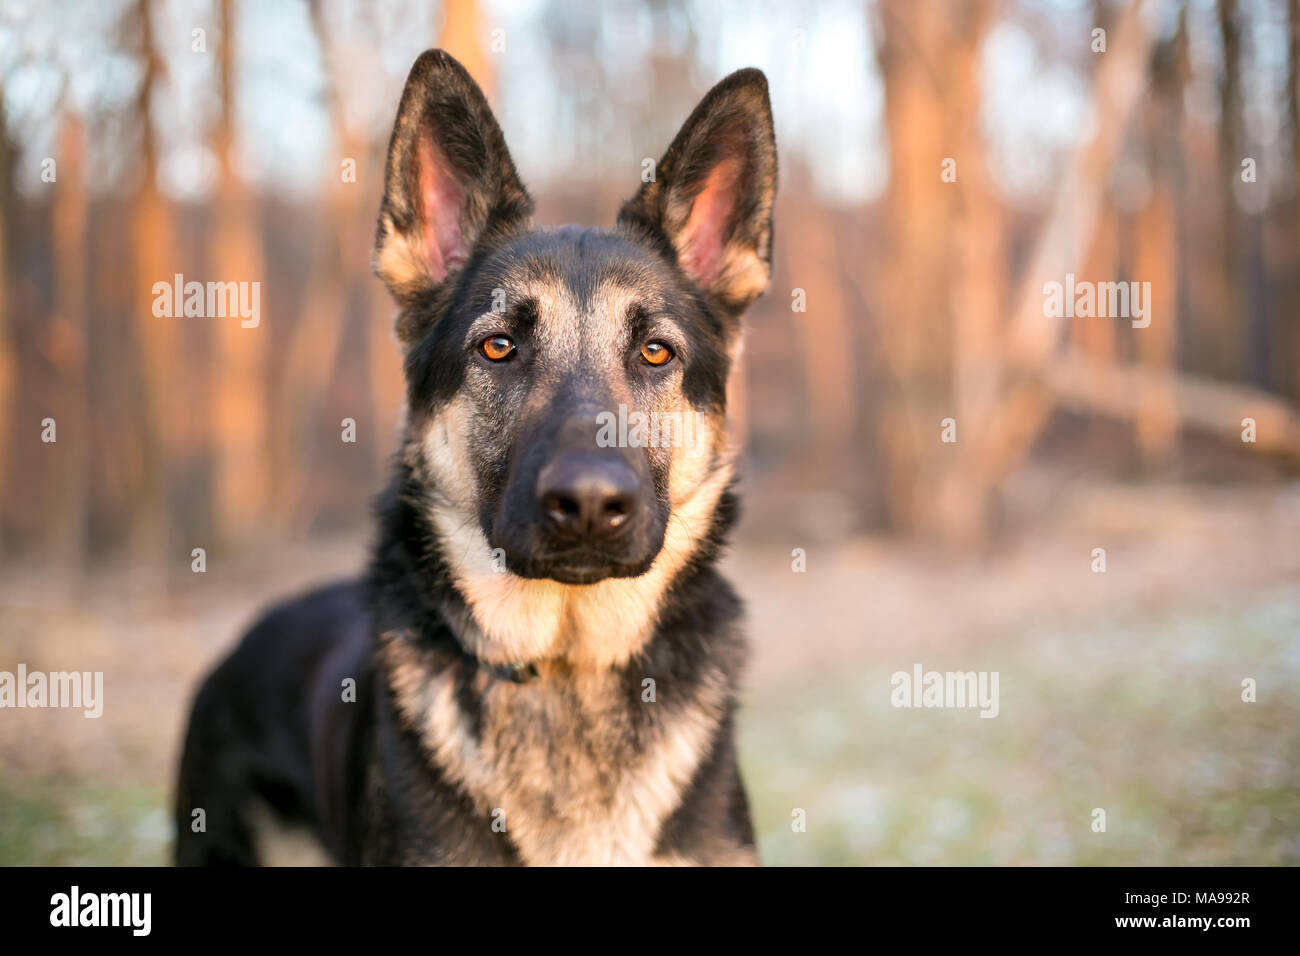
(566, 387)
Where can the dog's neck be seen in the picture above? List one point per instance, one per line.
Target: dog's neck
(443, 565)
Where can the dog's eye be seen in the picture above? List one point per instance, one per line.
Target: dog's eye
(498, 348)
(656, 353)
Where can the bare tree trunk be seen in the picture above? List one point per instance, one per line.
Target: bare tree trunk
(240, 386)
(1293, 108)
(1157, 253)
(66, 486)
(915, 313)
(941, 327)
(978, 288)
(826, 340)
(153, 239)
(1157, 420)
(462, 37)
(1231, 325)
(8, 342)
(1097, 339)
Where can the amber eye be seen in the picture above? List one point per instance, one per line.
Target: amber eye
(656, 353)
(498, 347)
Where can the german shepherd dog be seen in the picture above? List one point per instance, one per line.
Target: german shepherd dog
(541, 665)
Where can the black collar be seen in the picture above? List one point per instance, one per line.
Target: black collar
(517, 672)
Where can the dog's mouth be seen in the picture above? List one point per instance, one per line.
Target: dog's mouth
(581, 566)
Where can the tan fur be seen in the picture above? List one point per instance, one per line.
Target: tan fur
(280, 845)
(553, 756)
(597, 625)
(401, 260)
(744, 276)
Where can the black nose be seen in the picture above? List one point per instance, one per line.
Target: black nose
(587, 495)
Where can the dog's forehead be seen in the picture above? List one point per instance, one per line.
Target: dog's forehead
(584, 287)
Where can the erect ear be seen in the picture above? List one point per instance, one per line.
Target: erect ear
(449, 183)
(711, 199)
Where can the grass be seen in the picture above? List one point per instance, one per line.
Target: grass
(84, 823)
(1143, 719)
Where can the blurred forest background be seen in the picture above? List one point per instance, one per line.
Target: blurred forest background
(210, 138)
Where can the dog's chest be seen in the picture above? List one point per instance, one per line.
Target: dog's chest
(573, 770)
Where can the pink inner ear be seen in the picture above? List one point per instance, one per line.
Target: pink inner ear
(701, 241)
(441, 199)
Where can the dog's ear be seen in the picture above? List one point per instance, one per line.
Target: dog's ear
(449, 183)
(710, 202)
